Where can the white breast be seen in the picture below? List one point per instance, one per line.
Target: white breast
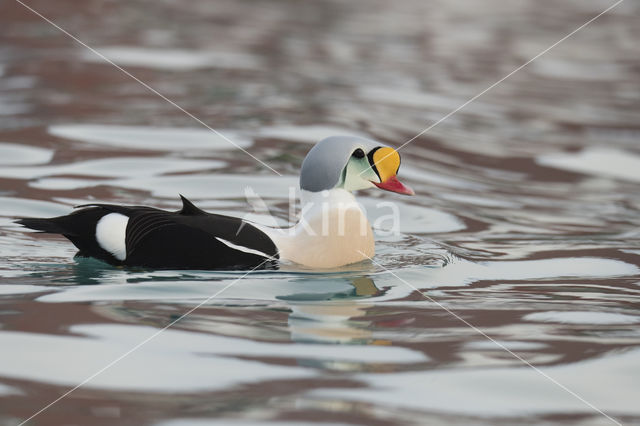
(111, 232)
(333, 231)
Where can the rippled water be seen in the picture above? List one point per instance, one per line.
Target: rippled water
(525, 229)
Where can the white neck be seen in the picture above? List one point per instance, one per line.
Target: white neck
(332, 231)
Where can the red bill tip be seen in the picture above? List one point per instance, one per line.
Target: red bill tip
(394, 185)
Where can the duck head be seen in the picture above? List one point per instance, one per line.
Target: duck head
(351, 163)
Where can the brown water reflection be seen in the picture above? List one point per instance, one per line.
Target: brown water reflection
(525, 224)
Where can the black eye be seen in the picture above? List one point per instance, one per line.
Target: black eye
(358, 153)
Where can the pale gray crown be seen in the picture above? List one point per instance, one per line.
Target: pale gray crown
(323, 165)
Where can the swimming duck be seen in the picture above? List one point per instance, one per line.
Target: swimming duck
(332, 230)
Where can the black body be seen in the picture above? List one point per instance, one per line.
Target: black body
(160, 239)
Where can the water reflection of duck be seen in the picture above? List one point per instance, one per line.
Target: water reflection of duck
(332, 231)
(335, 320)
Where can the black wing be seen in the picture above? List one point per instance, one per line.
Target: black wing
(188, 239)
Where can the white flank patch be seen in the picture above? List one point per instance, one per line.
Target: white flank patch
(110, 234)
(242, 248)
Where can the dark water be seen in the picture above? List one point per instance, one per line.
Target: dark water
(525, 226)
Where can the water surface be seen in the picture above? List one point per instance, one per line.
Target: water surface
(524, 234)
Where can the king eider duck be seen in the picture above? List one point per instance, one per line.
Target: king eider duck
(333, 230)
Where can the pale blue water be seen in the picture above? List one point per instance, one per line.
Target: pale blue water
(524, 229)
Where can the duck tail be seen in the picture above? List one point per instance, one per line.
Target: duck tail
(51, 226)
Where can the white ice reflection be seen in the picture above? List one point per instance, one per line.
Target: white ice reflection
(173, 59)
(160, 287)
(583, 317)
(114, 167)
(306, 134)
(6, 390)
(18, 207)
(241, 422)
(460, 272)
(426, 100)
(21, 288)
(206, 186)
(410, 219)
(167, 286)
(213, 186)
(574, 70)
(605, 162)
(15, 154)
(512, 345)
(506, 391)
(206, 361)
(151, 138)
